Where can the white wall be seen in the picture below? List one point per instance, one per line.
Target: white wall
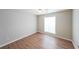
(40, 23)
(63, 23)
(15, 24)
(76, 27)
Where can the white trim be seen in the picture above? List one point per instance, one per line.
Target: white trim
(63, 38)
(16, 40)
(75, 45)
(55, 35)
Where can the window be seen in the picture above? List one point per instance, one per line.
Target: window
(50, 24)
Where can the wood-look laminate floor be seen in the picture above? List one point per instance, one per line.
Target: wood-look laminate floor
(40, 41)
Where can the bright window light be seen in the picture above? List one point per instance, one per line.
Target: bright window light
(50, 24)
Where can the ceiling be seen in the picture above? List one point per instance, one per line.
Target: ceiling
(45, 11)
(33, 11)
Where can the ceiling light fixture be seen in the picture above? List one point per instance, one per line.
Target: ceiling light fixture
(42, 11)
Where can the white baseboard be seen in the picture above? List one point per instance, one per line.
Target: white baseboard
(55, 35)
(75, 45)
(16, 40)
(64, 38)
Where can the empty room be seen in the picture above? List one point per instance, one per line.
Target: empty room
(39, 28)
